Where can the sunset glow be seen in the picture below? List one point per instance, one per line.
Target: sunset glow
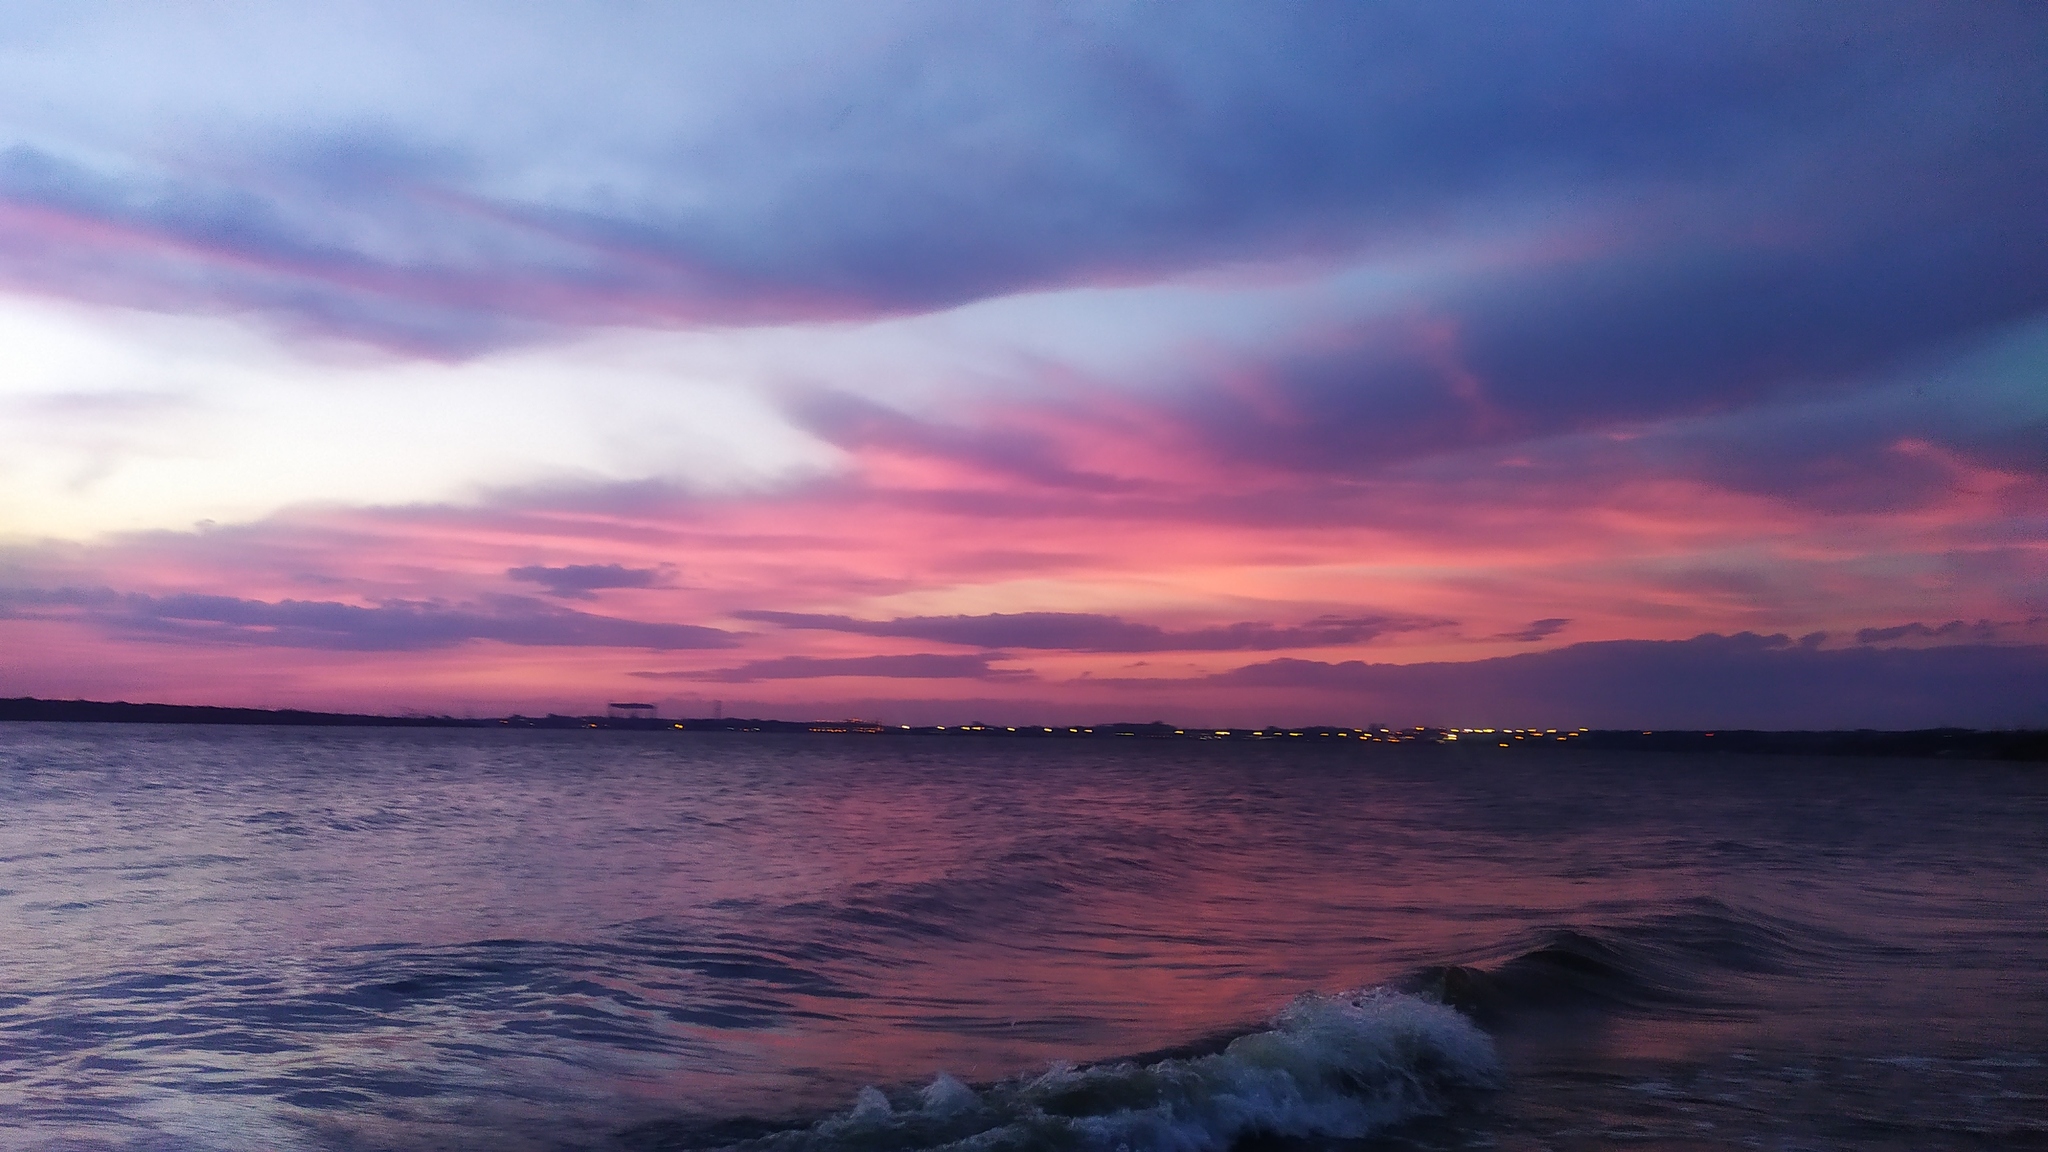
(1677, 366)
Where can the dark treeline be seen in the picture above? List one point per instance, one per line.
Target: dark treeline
(1959, 743)
(122, 712)
(1946, 743)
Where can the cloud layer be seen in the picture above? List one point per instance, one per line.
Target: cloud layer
(582, 581)
(1279, 357)
(1092, 632)
(920, 666)
(328, 626)
(1709, 681)
(894, 159)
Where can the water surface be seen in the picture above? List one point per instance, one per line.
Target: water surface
(227, 938)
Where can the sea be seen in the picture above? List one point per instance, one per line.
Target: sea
(219, 938)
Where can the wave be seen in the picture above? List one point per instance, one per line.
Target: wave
(1689, 961)
(1327, 1067)
(1331, 1067)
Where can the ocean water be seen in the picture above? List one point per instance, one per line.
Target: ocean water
(356, 939)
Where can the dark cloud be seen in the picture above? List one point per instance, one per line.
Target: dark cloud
(1914, 440)
(1537, 630)
(923, 666)
(1090, 632)
(581, 581)
(1709, 681)
(1649, 334)
(188, 243)
(1954, 629)
(1809, 186)
(392, 626)
(1850, 463)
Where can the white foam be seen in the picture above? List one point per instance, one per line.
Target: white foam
(946, 1096)
(870, 1106)
(1338, 1067)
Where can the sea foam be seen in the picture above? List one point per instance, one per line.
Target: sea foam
(1329, 1066)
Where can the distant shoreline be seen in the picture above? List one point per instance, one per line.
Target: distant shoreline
(1930, 743)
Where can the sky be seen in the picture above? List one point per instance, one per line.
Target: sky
(1573, 364)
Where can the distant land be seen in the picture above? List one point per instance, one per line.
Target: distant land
(1944, 743)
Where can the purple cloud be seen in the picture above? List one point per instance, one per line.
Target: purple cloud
(1981, 630)
(924, 666)
(1091, 632)
(1744, 680)
(1537, 630)
(389, 627)
(1073, 146)
(581, 581)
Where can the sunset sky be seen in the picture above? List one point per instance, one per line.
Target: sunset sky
(1604, 364)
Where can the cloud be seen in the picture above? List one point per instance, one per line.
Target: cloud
(1623, 339)
(1537, 630)
(1982, 630)
(925, 666)
(1091, 632)
(580, 581)
(1233, 443)
(667, 166)
(188, 618)
(1709, 681)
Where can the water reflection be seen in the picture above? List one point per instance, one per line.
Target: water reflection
(289, 932)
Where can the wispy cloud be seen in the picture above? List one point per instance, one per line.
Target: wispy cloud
(316, 624)
(1955, 631)
(583, 581)
(921, 666)
(1537, 630)
(1093, 632)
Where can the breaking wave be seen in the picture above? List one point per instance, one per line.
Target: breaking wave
(1339, 1067)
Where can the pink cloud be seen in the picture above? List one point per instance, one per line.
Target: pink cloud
(1078, 528)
